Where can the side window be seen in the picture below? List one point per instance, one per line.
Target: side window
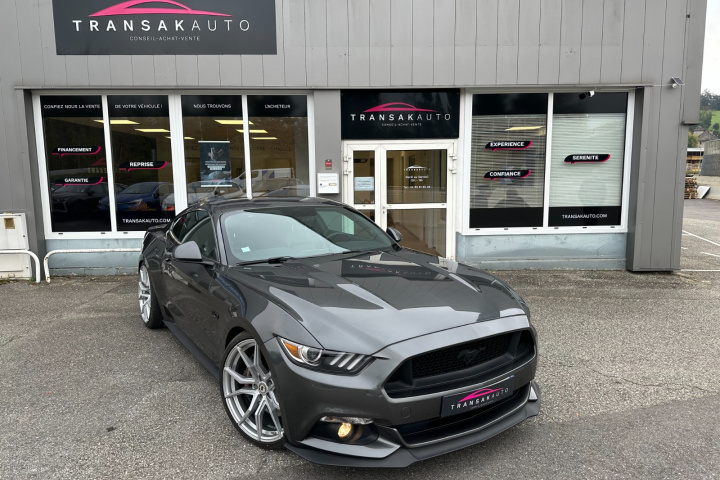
(202, 234)
(337, 222)
(183, 225)
(178, 226)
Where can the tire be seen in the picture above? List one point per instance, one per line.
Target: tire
(247, 387)
(149, 308)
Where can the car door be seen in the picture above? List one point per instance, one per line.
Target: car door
(192, 281)
(175, 284)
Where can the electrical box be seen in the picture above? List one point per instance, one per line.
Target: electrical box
(13, 236)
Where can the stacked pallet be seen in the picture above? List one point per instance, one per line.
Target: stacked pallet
(691, 188)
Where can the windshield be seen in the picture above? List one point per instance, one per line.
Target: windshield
(141, 188)
(298, 232)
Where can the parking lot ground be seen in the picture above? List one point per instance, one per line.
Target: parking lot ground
(628, 369)
(701, 235)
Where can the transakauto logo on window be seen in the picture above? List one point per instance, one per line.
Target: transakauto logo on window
(140, 8)
(398, 112)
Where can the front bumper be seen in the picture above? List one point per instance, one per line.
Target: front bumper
(306, 396)
(401, 456)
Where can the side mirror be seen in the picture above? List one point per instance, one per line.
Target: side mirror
(394, 234)
(187, 252)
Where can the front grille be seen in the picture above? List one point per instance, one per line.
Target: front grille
(441, 428)
(460, 357)
(461, 365)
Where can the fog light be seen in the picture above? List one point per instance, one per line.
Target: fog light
(344, 430)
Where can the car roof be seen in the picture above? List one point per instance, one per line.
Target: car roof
(218, 204)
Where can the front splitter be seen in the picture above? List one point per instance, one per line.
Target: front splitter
(403, 456)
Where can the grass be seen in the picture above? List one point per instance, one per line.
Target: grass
(715, 118)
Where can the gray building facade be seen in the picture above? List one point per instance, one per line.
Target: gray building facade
(501, 133)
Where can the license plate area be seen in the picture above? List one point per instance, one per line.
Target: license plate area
(477, 398)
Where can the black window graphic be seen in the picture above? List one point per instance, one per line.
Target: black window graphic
(142, 160)
(588, 146)
(77, 176)
(507, 173)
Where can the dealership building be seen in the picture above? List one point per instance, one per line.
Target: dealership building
(500, 133)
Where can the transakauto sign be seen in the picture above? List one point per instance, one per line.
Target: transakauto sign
(400, 114)
(164, 27)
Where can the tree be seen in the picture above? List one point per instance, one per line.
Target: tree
(709, 100)
(706, 118)
(693, 141)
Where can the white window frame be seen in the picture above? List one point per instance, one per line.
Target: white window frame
(464, 202)
(177, 149)
(380, 207)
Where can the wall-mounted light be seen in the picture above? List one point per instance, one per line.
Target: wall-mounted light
(675, 81)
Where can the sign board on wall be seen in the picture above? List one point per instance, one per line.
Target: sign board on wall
(328, 183)
(165, 27)
(400, 114)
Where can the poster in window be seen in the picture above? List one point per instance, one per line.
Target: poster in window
(215, 166)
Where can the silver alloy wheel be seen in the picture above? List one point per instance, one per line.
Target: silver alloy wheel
(144, 294)
(249, 392)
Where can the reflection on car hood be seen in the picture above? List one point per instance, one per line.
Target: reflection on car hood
(369, 301)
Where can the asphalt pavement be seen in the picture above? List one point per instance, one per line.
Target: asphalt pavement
(629, 370)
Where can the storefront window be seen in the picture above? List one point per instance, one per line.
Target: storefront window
(416, 176)
(279, 157)
(588, 144)
(76, 160)
(142, 160)
(214, 146)
(507, 173)
(364, 177)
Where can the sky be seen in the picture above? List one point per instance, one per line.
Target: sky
(711, 60)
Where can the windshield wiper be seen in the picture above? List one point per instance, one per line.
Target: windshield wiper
(267, 260)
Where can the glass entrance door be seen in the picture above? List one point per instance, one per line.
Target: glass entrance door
(405, 186)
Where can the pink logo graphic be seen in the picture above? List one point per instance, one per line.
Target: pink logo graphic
(75, 181)
(62, 151)
(481, 393)
(126, 8)
(508, 174)
(509, 145)
(397, 107)
(142, 166)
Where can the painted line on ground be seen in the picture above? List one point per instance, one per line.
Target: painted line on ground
(711, 254)
(684, 248)
(690, 270)
(701, 238)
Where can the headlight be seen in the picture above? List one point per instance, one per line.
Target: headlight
(137, 205)
(341, 363)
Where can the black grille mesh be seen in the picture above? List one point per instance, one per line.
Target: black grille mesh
(460, 357)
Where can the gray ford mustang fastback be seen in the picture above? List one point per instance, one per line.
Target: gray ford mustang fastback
(328, 338)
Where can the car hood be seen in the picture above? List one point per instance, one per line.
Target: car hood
(366, 302)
